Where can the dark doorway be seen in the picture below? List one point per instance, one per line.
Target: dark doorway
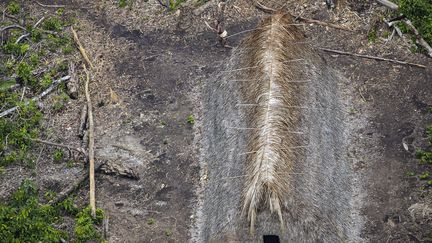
(271, 239)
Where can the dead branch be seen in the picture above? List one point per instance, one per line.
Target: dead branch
(119, 170)
(388, 4)
(91, 145)
(266, 9)
(83, 122)
(263, 8)
(73, 85)
(50, 6)
(79, 150)
(81, 48)
(420, 40)
(73, 187)
(314, 21)
(37, 98)
(373, 57)
(27, 34)
(14, 26)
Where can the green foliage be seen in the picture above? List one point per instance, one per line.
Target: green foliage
(25, 220)
(168, 232)
(49, 195)
(46, 81)
(425, 156)
(190, 119)
(55, 42)
(15, 49)
(85, 229)
(174, 4)
(53, 23)
(14, 134)
(424, 176)
(68, 206)
(60, 101)
(13, 7)
(151, 221)
(410, 173)
(60, 11)
(122, 3)
(24, 73)
(373, 36)
(58, 155)
(420, 13)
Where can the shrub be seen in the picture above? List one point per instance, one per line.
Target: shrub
(420, 13)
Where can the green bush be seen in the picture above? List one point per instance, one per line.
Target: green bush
(25, 220)
(13, 7)
(420, 14)
(53, 24)
(84, 225)
(14, 133)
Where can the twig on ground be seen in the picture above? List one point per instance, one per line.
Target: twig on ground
(266, 9)
(14, 26)
(23, 93)
(91, 145)
(79, 150)
(50, 6)
(37, 98)
(81, 48)
(373, 57)
(314, 21)
(263, 8)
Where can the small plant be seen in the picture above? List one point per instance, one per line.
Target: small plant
(60, 101)
(352, 111)
(53, 24)
(168, 232)
(424, 176)
(151, 221)
(122, 3)
(174, 4)
(49, 195)
(190, 119)
(24, 219)
(70, 164)
(68, 206)
(58, 155)
(13, 7)
(411, 173)
(85, 229)
(373, 35)
(125, 3)
(16, 48)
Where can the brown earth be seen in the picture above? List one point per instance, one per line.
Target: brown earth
(155, 62)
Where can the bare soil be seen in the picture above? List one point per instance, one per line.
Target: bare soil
(149, 68)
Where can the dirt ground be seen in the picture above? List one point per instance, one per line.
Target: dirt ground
(155, 62)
